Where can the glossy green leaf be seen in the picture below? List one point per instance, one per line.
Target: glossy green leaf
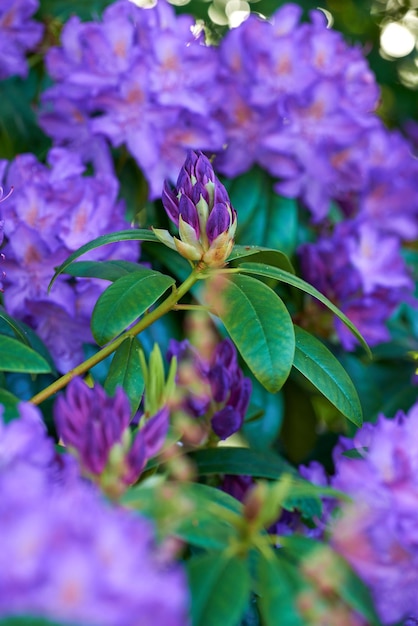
(299, 431)
(104, 240)
(125, 371)
(258, 254)
(323, 370)
(107, 270)
(16, 356)
(278, 585)
(261, 269)
(240, 461)
(21, 331)
(219, 588)
(63, 10)
(125, 300)
(260, 326)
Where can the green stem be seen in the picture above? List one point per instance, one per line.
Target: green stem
(167, 305)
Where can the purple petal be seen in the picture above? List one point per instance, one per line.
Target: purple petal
(218, 222)
(170, 203)
(155, 431)
(226, 422)
(189, 213)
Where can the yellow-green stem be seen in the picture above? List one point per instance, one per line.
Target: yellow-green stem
(167, 305)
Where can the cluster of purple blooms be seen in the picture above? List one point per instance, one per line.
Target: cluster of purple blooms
(66, 554)
(19, 33)
(377, 532)
(289, 96)
(96, 429)
(215, 392)
(53, 210)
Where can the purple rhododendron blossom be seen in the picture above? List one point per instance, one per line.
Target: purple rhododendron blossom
(138, 77)
(96, 428)
(219, 394)
(19, 33)
(377, 533)
(53, 210)
(361, 270)
(66, 554)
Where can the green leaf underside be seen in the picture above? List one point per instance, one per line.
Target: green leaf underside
(219, 588)
(18, 357)
(276, 258)
(260, 326)
(325, 372)
(107, 270)
(125, 300)
(269, 271)
(103, 240)
(125, 371)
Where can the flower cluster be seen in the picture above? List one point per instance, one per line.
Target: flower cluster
(289, 96)
(215, 392)
(139, 77)
(201, 210)
(53, 210)
(19, 33)
(68, 556)
(361, 269)
(96, 428)
(376, 533)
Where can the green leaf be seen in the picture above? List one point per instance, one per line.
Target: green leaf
(278, 584)
(326, 373)
(103, 240)
(63, 10)
(9, 401)
(125, 371)
(107, 270)
(260, 326)
(269, 271)
(264, 218)
(240, 461)
(18, 357)
(219, 588)
(194, 513)
(276, 258)
(348, 586)
(125, 300)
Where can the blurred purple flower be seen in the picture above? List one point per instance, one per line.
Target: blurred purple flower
(361, 270)
(68, 556)
(19, 33)
(96, 428)
(219, 394)
(139, 77)
(377, 533)
(53, 210)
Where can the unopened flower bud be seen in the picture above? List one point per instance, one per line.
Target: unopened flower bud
(200, 208)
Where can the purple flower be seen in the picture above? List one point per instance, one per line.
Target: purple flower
(140, 78)
(53, 210)
(360, 269)
(18, 34)
(96, 428)
(66, 554)
(377, 533)
(201, 209)
(215, 391)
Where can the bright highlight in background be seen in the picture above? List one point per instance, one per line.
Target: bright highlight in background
(396, 40)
